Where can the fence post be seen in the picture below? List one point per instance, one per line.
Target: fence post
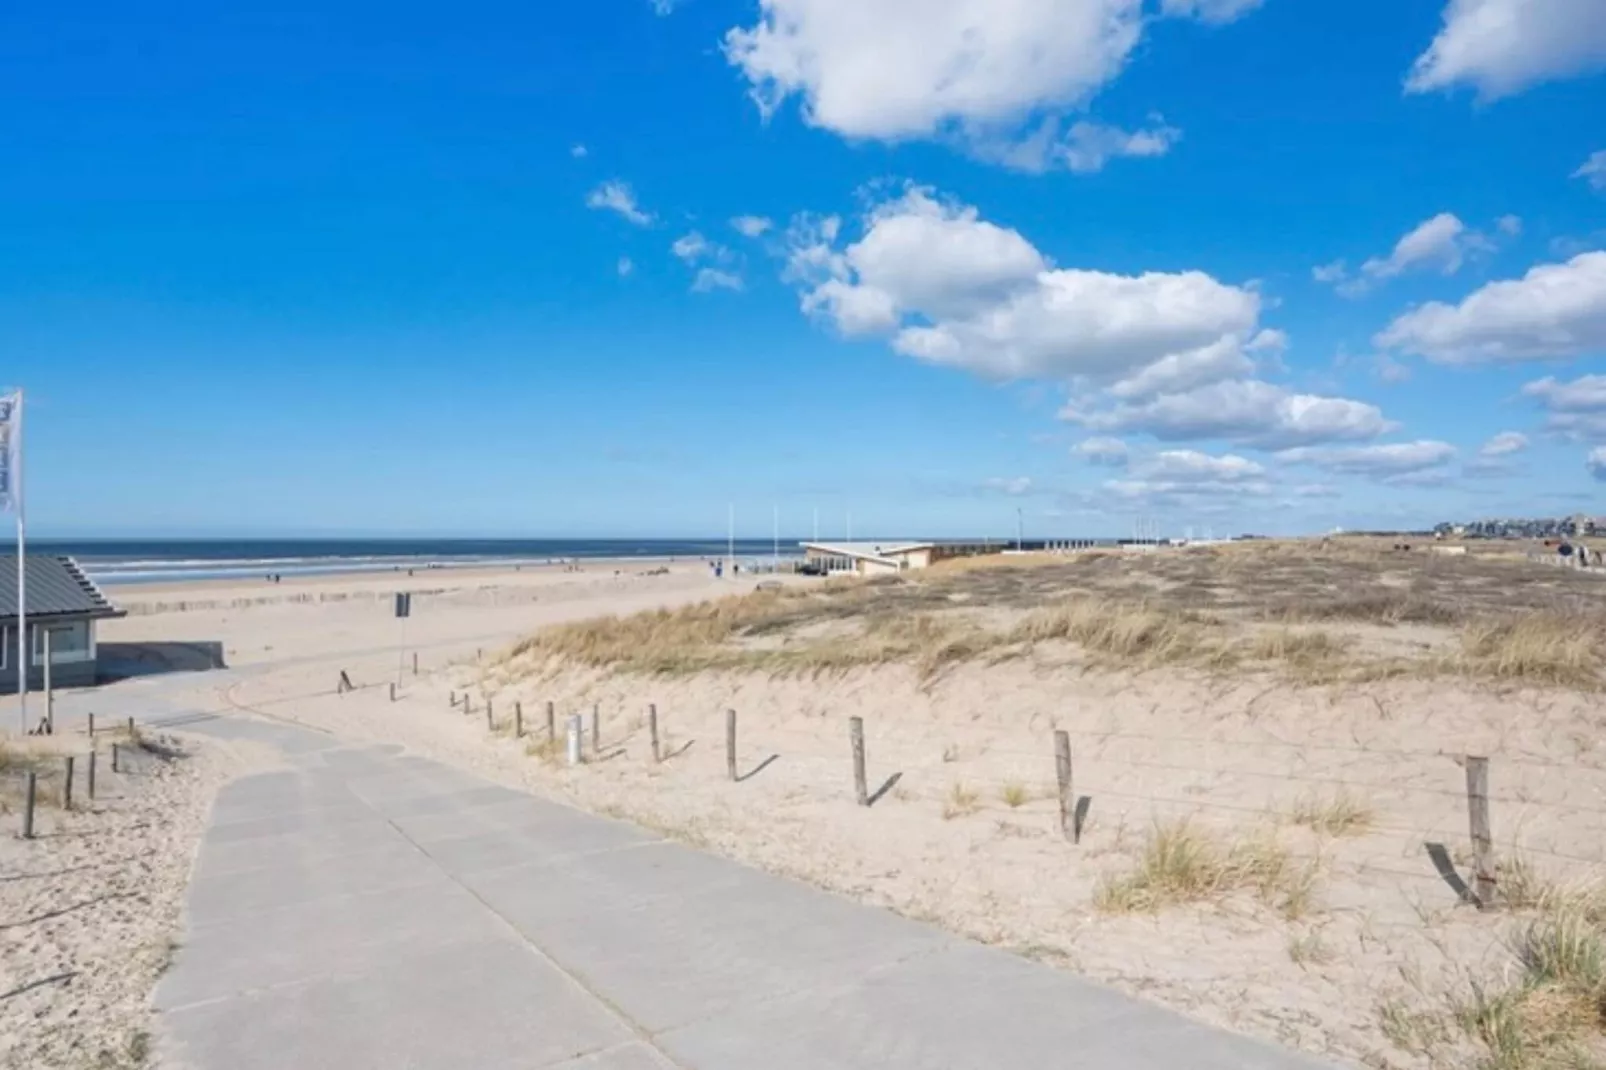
(518, 720)
(1062, 769)
(652, 728)
(415, 663)
(490, 721)
(596, 728)
(91, 726)
(131, 731)
(66, 783)
(114, 758)
(393, 691)
(856, 733)
(468, 704)
(551, 725)
(1483, 871)
(730, 743)
(574, 740)
(90, 776)
(27, 805)
(451, 697)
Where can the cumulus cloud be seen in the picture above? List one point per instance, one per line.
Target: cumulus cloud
(1554, 312)
(1390, 459)
(1500, 47)
(1509, 225)
(617, 196)
(1593, 171)
(752, 226)
(953, 289)
(1193, 466)
(1246, 411)
(1576, 409)
(691, 247)
(1438, 244)
(1504, 444)
(626, 266)
(579, 152)
(664, 7)
(1596, 463)
(711, 279)
(1111, 452)
(984, 75)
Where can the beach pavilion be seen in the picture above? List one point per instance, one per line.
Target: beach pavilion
(63, 602)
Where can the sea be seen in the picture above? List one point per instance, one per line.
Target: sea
(134, 561)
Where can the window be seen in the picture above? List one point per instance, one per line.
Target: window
(68, 642)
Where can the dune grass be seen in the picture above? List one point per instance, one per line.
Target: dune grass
(987, 610)
(1552, 1015)
(1181, 863)
(1338, 815)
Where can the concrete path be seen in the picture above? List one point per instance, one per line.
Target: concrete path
(366, 909)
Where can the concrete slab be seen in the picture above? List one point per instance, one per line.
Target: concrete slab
(964, 1008)
(242, 895)
(342, 935)
(271, 852)
(483, 1004)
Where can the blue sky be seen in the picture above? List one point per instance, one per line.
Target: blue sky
(588, 269)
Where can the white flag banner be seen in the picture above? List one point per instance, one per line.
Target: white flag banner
(10, 414)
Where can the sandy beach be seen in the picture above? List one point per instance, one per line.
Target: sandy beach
(1324, 778)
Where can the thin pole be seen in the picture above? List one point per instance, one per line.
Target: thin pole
(776, 564)
(22, 567)
(816, 524)
(1020, 532)
(50, 694)
(730, 545)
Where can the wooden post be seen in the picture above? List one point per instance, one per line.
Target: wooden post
(596, 728)
(27, 805)
(91, 726)
(66, 783)
(1483, 873)
(415, 663)
(490, 721)
(518, 720)
(393, 691)
(856, 732)
(652, 729)
(50, 692)
(130, 730)
(551, 726)
(89, 777)
(468, 703)
(1062, 769)
(114, 758)
(730, 743)
(451, 696)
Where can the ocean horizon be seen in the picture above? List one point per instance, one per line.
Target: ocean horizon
(135, 561)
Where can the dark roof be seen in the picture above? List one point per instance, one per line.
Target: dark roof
(57, 587)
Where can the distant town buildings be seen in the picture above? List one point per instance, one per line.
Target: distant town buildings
(1518, 528)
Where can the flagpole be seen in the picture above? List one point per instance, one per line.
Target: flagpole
(22, 570)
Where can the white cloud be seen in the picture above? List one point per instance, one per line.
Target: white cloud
(1554, 312)
(1014, 487)
(1084, 149)
(579, 152)
(1509, 225)
(1246, 411)
(1504, 444)
(1192, 466)
(752, 226)
(627, 266)
(617, 196)
(664, 7)
(1593, 171)
(1576, 409)
(1110, 452)
(1440, 243)
(955, 290)
(1500, 47)
(691, 247)
(1596, 463)
(975, 72)
(1337, 271)
(710, 279)
(1212, 11)
(1391, 459)
(1223, 359)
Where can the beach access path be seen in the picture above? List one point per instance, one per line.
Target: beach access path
(364, 908)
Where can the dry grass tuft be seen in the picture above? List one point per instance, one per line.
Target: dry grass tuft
(1340, 815)
(545, 750)
(1181, 864)
(961, 802)
(1547, 648)
(1015, 795)
(1122, 632)
(1553, 1016)
(1309, 950)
